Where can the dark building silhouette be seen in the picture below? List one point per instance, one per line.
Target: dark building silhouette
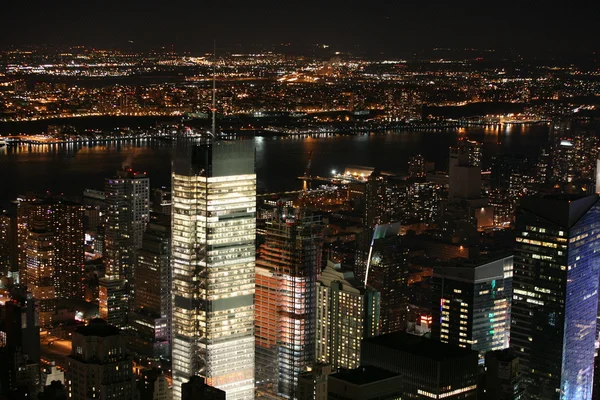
(152, 384)
(365, 383)
(503, 380)
(429, 369)
(20, 376)
(197, 389)
(99, 366)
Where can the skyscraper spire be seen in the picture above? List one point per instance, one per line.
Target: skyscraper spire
(214, 91)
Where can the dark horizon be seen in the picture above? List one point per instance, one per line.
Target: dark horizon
(397, 30)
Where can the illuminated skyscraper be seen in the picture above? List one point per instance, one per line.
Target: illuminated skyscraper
(8, 244)
(213, 255)
(64, 222)
(347, 313)
(127, 199)
(287, 271)
(149, 318)
(471, 303)
(41, 266)
(555, 298)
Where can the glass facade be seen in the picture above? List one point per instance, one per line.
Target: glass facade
(556, 295)
(471, 306)
(212, 259)
(287, 272)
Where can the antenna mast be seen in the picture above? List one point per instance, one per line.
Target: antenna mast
(214, 91)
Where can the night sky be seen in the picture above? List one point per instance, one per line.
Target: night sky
(372, 27)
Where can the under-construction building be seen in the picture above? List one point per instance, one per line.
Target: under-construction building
(287, 271)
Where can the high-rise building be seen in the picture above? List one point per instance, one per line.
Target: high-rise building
(127, 198)
(466, 152)
(312, 384)
(64, 222)
(152, 384)
(287, 271)
(20, 347)
(416, 166)
(383, 265)
(149, 319)
(471, 303)
(213, 255)
(429, 369)
(8, 244)
(347, 313)
(555, 300)
(161, 201)
(502, 376)
(375, 200)
(41, 273)
(99, 366)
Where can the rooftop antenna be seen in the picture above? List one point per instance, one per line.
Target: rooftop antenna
(214, 91)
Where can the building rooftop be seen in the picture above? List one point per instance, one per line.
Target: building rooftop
(420, 346)
(364, 375)
(563, 210)
(98, 327)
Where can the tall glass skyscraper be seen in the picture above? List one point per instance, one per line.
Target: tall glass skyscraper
(213, 256)
(287, 271)
(555, 300)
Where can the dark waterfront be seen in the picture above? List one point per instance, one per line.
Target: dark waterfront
(70, 169)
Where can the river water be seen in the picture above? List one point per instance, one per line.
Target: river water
(69, 169)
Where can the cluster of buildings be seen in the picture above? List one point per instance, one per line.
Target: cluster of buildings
(468, 284)
(266, 82)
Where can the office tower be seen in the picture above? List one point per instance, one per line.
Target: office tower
(127, 198)
(99, 366)
(41, 273)
(197, 389)
(383, 265)
(555, 298)
(416, 166)
(149, 319)
(471, 303)
(153, 385)
(503, 380)
(510, 176)
(574, 157)
(464, 170)
(375, 200)
(466, 152)
(365, 383)
(64, 222)
(20, 347)
(287, 271)
(161, 201)
(8, 244)
(430, 369)
(213, 254)
(347, 313)
(312, 384)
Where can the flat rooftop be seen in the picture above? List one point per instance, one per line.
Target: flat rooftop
(364, 375)
(420, 346)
